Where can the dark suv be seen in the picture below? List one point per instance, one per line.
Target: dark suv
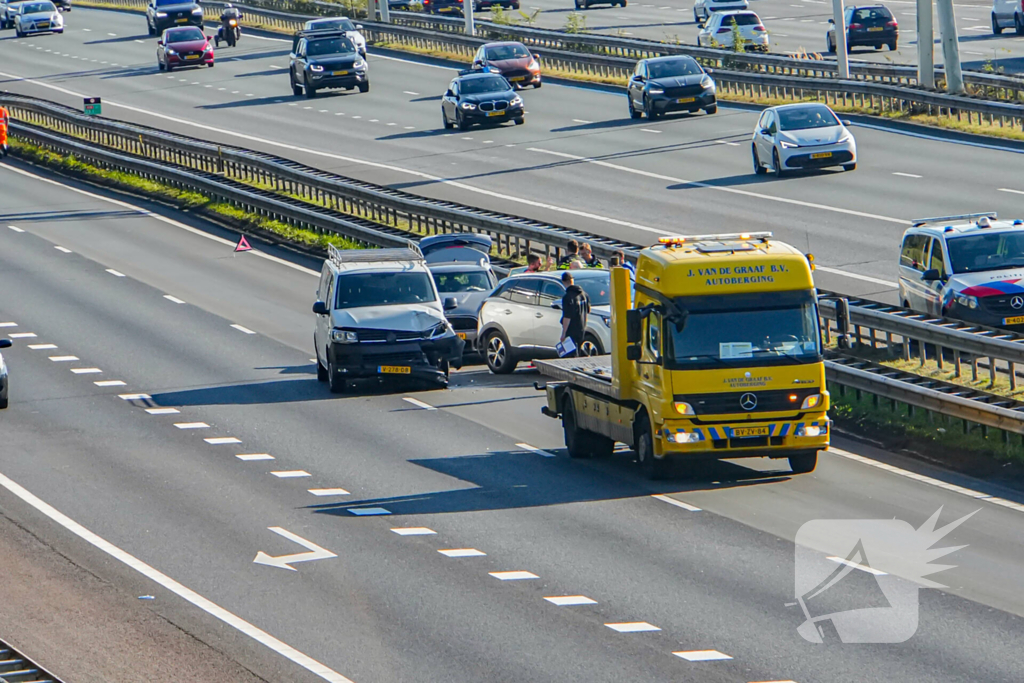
(665, 84)
(326, 59)
(161, 14)
(872, 26)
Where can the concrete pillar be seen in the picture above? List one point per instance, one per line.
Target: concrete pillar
(467, 10)
(950, 47)
(842, 58)
(925, 45)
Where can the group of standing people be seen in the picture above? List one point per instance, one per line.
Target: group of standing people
(576, 256)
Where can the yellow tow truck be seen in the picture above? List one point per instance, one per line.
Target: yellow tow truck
(716, 353)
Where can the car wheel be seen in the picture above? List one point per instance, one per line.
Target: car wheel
(850, 167)
(759, 169)
(296, 89)
(590, 346)
(830, 46)
(649, 109)
(4, 403)
(18, 33)
(623, 3)
(893, 45)
(448, 125)
(696, 19)
(461, 122)
(519, 121)
(337, 383)
(498, 354)
(364, 87)
(633, 113)
(878, 46)
(1018, 25)
(536, 85)
(777, 163)
(713, 109)
(579, 5)
(210, 65)
(652, 467)
(804, 462)
(996, 28)
(321, 372)
(310, 92)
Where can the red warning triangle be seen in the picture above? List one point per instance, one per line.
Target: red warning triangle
(243, 244)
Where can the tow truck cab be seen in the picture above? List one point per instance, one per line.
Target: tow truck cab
(717, 355)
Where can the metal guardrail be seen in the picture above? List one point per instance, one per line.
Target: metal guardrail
(15, 668)
(362, 211)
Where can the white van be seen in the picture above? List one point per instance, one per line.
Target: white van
(378, 315)
(1007, 14)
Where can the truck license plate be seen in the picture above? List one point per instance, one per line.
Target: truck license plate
(743, 432)
(821, 155)
(686, 100)
(1015, 320)
(394, 369)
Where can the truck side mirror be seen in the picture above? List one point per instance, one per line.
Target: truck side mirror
(320, 308)
(634, 327)
(633, 352)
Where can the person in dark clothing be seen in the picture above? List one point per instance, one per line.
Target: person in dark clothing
(575, 307)
(572, 254)
(589, 260)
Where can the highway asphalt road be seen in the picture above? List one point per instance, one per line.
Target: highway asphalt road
(797, 27)
(578, 161)
(166, 423)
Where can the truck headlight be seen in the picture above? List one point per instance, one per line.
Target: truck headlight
(344, 337)
(812, 401)
(810, 430)
(684, 408)
(682, 437)
(967, 301)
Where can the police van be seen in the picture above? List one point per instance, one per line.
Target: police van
(378, 314)
(969, 267)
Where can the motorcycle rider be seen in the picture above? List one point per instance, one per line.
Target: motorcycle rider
(230, 12)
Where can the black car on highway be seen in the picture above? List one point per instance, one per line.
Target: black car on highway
(871, 26)
(163, 14)
(666, 84)
(480, 96)
(326, 59)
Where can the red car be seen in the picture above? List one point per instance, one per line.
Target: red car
(183, 46)
(512, 60)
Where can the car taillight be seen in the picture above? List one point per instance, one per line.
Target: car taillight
(729, 30)
(859, 26)
(760, 27)
(893, 23)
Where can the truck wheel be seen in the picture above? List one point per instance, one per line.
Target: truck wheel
(803, 462)
(652, 467)
(581, 443)
(498, 354)
(337, 383)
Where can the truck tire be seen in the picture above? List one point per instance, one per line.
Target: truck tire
(652, 467)
(803, 463)
(581, 443)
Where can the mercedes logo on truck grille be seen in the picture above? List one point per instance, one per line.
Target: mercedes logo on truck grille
(748, 401)
(1017, 301)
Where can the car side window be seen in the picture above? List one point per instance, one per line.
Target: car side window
(525, 292)
(330, 291)
(936, 262)
(912, 254)
(550, 292)
(772, 128)
(325, 278)
(638, 70)
(301, 50)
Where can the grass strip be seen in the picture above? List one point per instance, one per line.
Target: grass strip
(193, 202)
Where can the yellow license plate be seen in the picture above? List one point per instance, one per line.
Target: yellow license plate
(191, 56)
(518, 78)
(741, 432)
(44, 24)
(182, 20)
(340, 73)
(462, 335)
(821, 155)
(495, 113)
(1015, 320)
(394, 370)
(686, 100)
(875, 28)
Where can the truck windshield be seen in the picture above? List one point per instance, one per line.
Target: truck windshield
(383, 289)
(783, 329)
(991, 251)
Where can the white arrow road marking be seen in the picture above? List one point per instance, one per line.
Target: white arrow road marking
(283, 561)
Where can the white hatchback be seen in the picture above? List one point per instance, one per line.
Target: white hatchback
(703, 9)
(801, 136)
(718, 31)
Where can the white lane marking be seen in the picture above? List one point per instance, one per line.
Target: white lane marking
(173, 586)
(63, 249)
(462, 552)
(62, 359)
(369, 512)
(315, 552)
(115, 273)
(677, 503)
(702, 655)
(409, 92)
(290, 474)
(581, 121)
(328, 492)
(632, 627)
(905, 175)
(962, 490)
(532, 449)
(87, 30)
(730, 190)
(255, 456)
(86, 371)
(1006, 189)
(649, 130)
(374, 164)
(414, 531)
(855, 276)
(41, 347)
(850, 563)
(15, 228)
(162, 411)
(112, 35)
(158, 217)
(570, 600)
(726, 142)
(173, 299)
(22, 335)
(513, 576)
(418, 403)
(9, 325)
(134, 397)
(937, 138)
(110, 383)
(191, 425)
(246, 330)
(221, 440)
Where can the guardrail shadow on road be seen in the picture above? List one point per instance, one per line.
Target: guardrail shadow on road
(519, 479)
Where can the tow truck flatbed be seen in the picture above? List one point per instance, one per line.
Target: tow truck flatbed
(593, 372)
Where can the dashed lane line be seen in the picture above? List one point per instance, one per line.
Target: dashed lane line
(414, 531)
(182, 591)
(22, 335)
(173, 299)
(851, 563)
(86, 371)
(677, 503)
(632, 627)
(328, 492)
(62, 359)
(63, 250)
(291, 474)
(245, 330)
(222, 440)
(532, 449)
(462, 552)
(418, 403)
(570, 600)
(514, 576)
(134, 397)
(115, 273)
(42, 347)
(191, 425)
(702, 655)
(162, 411)
(254, 456)
(110, 383)
(8, 324)
(906, 175)
(15, 228)
(369, 512)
